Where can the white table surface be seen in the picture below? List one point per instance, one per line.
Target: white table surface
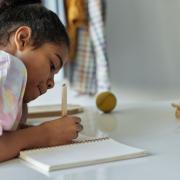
(151, 126)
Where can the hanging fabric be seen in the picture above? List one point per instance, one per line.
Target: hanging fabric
(89, 69)
(76, 14)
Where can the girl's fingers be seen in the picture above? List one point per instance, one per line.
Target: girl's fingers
(75, 135)
(79, 127)
(76, 119)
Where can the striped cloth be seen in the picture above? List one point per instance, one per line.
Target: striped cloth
(13, 77)
(99, 44)
(89, 72)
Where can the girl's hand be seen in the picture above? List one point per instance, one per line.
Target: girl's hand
(52, 133)
(62, 130)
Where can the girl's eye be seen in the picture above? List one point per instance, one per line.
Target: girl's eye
(53, 68)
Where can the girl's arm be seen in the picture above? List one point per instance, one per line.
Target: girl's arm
(12, 142)
(52, 133)
(23, 120)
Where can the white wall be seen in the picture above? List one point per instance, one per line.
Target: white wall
(144, 43)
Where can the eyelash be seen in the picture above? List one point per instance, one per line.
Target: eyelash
(53, 67)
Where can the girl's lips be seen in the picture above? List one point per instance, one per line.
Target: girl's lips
(41, 91)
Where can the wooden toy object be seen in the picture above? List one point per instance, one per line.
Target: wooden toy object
(177, 106)
(52, 110)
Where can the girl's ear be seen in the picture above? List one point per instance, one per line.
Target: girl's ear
(22, 37)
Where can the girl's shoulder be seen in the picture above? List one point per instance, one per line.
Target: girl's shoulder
(11, 63)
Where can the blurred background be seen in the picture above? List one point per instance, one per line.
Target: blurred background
(144, 47)
(142, 56)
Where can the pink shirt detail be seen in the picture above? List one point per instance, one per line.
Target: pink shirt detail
(13, 78)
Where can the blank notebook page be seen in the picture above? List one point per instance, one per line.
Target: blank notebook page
(78, 154)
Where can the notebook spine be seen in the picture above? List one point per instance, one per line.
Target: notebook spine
(90, 140)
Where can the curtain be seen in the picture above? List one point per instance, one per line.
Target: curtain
(89, 69)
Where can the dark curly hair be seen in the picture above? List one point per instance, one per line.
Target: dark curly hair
(45, 25)
(6, 3)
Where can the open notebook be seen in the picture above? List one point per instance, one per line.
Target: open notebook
(85, 151)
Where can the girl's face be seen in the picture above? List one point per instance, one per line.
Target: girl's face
(42, 64)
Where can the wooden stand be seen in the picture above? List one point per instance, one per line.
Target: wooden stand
(52, 110)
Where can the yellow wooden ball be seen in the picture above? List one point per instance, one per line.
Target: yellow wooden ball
(106, 101)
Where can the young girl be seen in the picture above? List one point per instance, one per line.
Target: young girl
(33, 48)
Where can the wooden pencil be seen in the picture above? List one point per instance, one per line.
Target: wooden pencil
(64, 100)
